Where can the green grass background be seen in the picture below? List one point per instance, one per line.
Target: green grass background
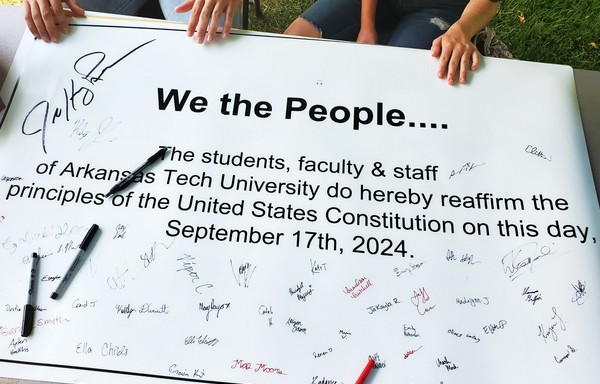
(553, 31)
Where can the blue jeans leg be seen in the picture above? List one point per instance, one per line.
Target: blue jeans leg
(123, 7)
(418, 29)
(168, 9)
(335, 19)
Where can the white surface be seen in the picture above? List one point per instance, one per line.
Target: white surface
(492, 126)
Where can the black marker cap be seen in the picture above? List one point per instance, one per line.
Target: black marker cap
(27, 325)
(158, 154)
(88, 237)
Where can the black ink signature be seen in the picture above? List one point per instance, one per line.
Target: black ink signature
(317, 268)
(75, 96)
(149, 257)
(89, 76)
(570, 351)
(467, 258)
(187, 264)
(10, 179)
(578, 296)
(467, 167)
(516, 261)
(212, 306)
(243, 273)
(120, 231)
(532, 296)
(550, 331)
(537, 152)
(411, 267)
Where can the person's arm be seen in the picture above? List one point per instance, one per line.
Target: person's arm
(368, 31)
(47, 20)
(207, 14)
(454, 48)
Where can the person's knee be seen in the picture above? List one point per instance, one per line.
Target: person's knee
(302, 27)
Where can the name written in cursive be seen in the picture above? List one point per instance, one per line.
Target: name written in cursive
(77, 95)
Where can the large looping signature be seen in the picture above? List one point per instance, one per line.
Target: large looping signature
(76, 96)
(524, 258)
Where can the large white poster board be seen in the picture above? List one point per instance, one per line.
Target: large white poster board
(320, 203)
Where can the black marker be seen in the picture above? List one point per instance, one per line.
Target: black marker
(67, 277)
(126, 181)
(28, 310)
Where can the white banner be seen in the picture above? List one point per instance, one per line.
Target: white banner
(320, 203)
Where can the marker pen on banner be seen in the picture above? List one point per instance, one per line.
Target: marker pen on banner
(78, 258)
(365, 373)
(28, 310)
(129, 179)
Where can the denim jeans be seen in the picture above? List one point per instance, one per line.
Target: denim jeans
(168, 9)
(131, 7)
(123, 7)
(401, 23)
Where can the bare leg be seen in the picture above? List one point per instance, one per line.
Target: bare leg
(302, 27)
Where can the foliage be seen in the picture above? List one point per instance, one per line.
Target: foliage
(277, 14)
(552, 31)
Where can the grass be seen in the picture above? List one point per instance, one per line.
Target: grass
(277, 14)
(550, 31)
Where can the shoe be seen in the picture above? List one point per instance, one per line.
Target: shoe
(489, 45)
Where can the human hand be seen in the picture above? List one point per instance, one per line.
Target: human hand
(207, 13)
(367, 36)
(47, 20)
(457, 55)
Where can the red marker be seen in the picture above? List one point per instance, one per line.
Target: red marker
(365, 372)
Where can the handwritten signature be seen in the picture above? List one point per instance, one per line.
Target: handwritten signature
(11, 244)
(411, 352)
(150, 256)
(467, 258)
(419, 299)
(243, 273)
(523, 258)
(537, 152)
(212, 306)
(570, 351)
(76, 95)
(187, 265)
(531, 295)
(580, 293)
(467, 167)
(550, 331)
(101, 135)
(120, 231)
(118, 280)
(411, 267)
